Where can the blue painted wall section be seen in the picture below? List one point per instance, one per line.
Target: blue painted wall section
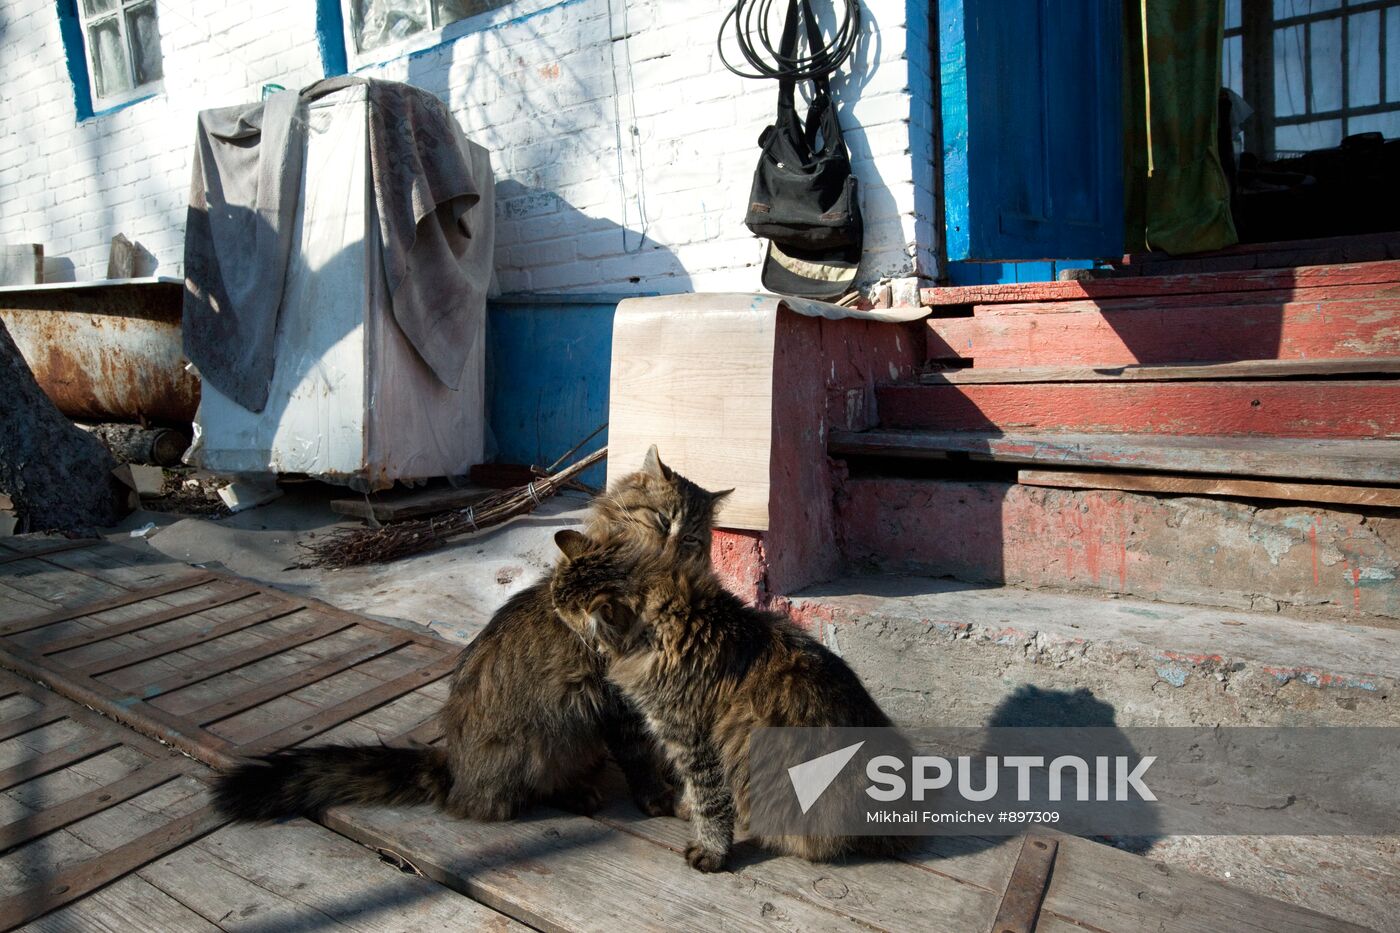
(1009, 273)
(547, 369)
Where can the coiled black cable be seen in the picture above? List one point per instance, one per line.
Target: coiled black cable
(751, 20)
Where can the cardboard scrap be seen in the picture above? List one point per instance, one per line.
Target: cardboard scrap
(147, 481)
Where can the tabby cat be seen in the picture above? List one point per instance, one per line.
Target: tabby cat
(705, 670)
(529, 717)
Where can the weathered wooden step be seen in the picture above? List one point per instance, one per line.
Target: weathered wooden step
(1354, 461)
(1177, 484)
(1188, 329)
(1361, 273)
(1319, 251)
(1186, 372)
(1322, 409)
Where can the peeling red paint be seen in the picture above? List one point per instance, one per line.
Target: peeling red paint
(986, 532)
(1355, 321)
(1301, 408)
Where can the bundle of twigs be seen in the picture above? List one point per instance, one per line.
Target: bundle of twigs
(351, 547)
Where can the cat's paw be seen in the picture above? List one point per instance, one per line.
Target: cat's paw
(661, 802)
(585, 800)
(702, 859)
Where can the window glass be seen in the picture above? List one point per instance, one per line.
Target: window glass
(1303, 137)
(145, 42)
(1290, 96)
(1326, 38)
(379, 23)
(123, 47)
(449, 11)
(376, 24)
(1364, 59)
(111, 73)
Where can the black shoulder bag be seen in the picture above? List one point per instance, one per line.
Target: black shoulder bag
(804, 197)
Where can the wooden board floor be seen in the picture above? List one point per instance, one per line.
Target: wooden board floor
(548, 870)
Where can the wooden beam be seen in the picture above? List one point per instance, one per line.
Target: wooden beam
(412, 504)
(1244, 369)
(1356, 461)
(1088, 333)
(1340, 409)
(1364, 273)
(1175, 484)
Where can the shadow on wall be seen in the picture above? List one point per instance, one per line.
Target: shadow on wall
(603, 254)
(561, 122)
(549, 357)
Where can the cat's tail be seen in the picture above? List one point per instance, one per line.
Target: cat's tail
(306, 781)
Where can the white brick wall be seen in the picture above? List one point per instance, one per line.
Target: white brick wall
(623, 149)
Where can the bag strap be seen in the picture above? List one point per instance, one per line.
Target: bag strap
(787, 47)
(820, 114)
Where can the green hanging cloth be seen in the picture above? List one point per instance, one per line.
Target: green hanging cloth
(1177, 199)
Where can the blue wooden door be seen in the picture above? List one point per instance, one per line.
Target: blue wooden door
(1032, 128)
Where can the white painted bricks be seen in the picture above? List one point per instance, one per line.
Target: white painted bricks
(623, 150)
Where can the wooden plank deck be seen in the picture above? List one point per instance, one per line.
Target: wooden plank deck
(125, 839)
(548, 870)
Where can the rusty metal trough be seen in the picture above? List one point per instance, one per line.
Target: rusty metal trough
(107, 350)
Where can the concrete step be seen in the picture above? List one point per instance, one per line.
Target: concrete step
(1330, 562)
(940, 652)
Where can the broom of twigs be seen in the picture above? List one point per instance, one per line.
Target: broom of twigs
(351, 547)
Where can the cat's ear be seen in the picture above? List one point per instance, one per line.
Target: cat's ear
(717, 498)
(653, 466)
(571, 542)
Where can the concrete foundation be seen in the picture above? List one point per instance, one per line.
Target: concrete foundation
(1332, 562)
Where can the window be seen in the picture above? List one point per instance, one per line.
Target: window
(122, 44)
(1314, 70)
(376, 24)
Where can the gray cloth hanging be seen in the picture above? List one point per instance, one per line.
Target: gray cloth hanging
(243, 197)
(238, 233)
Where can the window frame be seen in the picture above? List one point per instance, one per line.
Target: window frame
(430, 38)
(137, 92)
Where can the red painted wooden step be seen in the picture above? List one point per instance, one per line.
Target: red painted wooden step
(1323, 459)
(1362, 273)
(1340, 409)
(1200, 328)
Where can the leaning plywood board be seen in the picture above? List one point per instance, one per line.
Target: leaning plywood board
(695, 375)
